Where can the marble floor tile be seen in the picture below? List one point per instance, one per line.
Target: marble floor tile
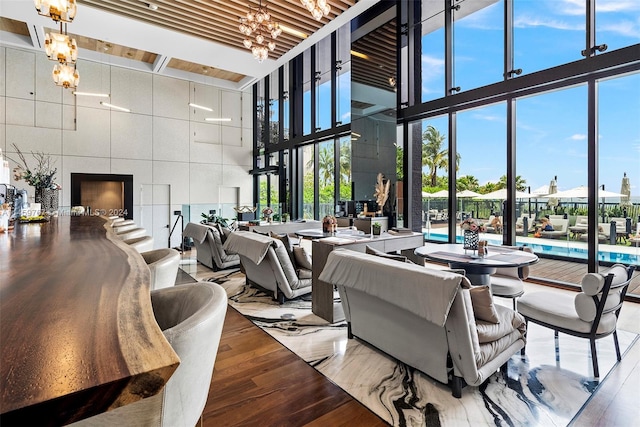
(548, 386)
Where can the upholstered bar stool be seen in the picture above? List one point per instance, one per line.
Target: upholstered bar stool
(141, 244)
(163, 264)
(119, 227)
(131, 234)
(191, 318)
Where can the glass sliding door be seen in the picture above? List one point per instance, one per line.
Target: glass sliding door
(482, 155)
(326, 178)
(433, 144)
(308, 179)
(551, 145)
(619, 167)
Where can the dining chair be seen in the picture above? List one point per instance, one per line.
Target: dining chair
(163, 264)
(591, 314)
(507, 282)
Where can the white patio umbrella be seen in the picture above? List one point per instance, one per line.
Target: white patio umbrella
(625, 188)
(437, 194)
(502, 195)
(582, 192)
(466, 194)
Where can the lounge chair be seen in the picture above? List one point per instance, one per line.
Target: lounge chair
(560, 229)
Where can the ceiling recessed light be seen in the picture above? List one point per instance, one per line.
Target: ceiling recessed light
(359, 55)
(218, 119)
(152, 6)
(293, 32)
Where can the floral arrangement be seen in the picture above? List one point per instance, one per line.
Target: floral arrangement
(42, 176)
(267, 211)
(329, 223)
(329, 219)
(472, 224)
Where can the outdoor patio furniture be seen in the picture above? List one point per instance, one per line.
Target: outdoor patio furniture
(560, 229)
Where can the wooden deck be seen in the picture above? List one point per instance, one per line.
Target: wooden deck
(566, 272)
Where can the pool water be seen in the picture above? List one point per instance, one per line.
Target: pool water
(560, 250)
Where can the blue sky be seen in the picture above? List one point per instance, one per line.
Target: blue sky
(551, 128)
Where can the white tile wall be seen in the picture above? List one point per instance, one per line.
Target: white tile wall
(161, 142)
(132, 89)
(170, 98)
(131, 136)
(170, 139)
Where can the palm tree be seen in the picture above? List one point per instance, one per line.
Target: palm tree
(345, 162)
(521, 183)
(433, 155)
(467, 182)
(325, 165)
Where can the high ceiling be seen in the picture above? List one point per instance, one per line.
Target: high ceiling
(192, 39)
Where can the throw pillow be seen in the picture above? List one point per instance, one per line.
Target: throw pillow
(482, 303)
(302, 258)
(373, 251)
(287, 245)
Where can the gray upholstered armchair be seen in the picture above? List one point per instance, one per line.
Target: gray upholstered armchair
(268, 264)
(209, 246)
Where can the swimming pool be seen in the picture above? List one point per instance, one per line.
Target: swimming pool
(629, 255)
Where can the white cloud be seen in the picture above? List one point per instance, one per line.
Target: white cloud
(623, 28)
(578, 137)
(489, 118)
(528, 21)
(617, 5)
(346, 116)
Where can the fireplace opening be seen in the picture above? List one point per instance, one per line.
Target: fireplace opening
(103, 194)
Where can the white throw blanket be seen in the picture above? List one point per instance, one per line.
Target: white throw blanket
(196, 231)
(424, 292)
(251, 245)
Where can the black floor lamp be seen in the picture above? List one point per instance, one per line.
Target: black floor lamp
(181, 218)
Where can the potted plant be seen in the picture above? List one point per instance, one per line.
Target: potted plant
(375, 228)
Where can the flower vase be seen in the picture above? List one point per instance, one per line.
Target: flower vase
(47, 198)
(470, 240)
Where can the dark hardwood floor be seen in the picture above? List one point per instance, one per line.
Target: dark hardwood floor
(259, 382)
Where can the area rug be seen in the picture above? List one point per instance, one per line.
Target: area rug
(544, 388)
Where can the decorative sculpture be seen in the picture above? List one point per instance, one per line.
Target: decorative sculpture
(382, 192)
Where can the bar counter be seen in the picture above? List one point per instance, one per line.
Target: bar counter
(77, 331)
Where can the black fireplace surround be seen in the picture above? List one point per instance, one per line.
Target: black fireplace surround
(78, 178)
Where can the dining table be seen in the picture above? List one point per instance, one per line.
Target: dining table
(478, 269)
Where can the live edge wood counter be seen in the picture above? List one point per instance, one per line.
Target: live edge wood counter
(77, 331)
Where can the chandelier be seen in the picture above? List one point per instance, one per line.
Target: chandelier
(317, 8)
(66, 76)
(260, 31)
(60, 47)
(58, 10)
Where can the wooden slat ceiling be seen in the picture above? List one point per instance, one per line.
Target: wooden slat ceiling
(13, 26)
(218, 20)
(380, 48)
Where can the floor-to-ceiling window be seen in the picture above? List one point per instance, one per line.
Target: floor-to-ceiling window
(478, 35)
(528, 90)
(308, 189)
(552, 146)
(619, 162)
